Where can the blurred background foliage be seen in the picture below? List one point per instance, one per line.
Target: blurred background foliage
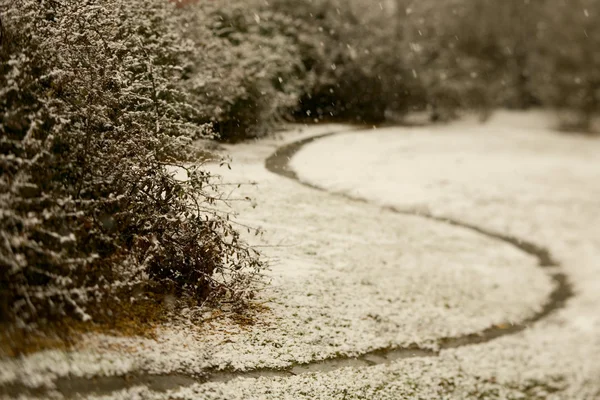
(359, 60)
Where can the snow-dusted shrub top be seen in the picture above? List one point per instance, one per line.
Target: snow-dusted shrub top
(250, 72)
(93, 110)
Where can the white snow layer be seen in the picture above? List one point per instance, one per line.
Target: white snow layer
(348, 277)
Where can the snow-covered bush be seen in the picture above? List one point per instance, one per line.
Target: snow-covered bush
(248, 73)
(352, 58)
(94, 111)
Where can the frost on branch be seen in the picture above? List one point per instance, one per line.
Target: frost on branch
(94, 108)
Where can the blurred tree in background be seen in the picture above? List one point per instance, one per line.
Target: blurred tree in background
(354, 67)
(449, 56)
(359, 60)
(470, 54)
(566, 59)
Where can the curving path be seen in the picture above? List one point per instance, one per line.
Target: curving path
(279, 163)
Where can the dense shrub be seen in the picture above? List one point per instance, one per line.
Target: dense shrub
(351, 53)
(248, 75)
(94, 113)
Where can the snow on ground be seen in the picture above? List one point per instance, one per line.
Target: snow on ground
(532, 183)
(349, 277)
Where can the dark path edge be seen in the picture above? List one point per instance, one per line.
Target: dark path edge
(278, 163)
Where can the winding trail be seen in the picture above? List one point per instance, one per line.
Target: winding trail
(278, 163)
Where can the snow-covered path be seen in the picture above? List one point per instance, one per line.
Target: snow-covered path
(351, 277)
(529, 182)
